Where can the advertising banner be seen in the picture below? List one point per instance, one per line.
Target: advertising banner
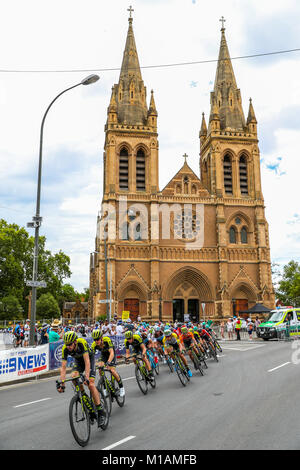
(16, 364)
(56, 348)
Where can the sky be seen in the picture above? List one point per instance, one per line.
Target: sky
(47, 46)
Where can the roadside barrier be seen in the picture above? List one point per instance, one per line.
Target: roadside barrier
(23, 363)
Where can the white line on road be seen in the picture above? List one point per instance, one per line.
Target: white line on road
(119, 442)
(128, 378)
(32, 402)
(282, 365)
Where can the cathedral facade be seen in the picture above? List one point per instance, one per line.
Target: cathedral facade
(199, 246)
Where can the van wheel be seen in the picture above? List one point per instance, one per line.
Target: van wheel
(266, 339)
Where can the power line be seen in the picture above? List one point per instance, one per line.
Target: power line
(178, 64)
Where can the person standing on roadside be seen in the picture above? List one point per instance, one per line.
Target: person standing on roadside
(250, 327)
(230, 329)
(238, 327)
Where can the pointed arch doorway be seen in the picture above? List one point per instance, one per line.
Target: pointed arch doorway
(187, 289)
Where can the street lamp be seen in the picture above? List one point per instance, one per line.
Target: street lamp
(37, 219)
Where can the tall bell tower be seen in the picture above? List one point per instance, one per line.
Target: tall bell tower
(230, 170)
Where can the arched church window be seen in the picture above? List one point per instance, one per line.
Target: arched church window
(243, 175)
(123, 169)
(232, 235)
(227, 167)
(244, 235)
(140, 171)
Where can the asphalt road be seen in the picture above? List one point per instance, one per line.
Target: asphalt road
(249, 401)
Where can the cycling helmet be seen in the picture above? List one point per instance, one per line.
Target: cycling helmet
(70, 337)
(97, 334)
(184, 330)
(167, 332)
(195, 328)
(128, 334)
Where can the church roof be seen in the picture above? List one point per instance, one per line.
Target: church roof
(185, 175)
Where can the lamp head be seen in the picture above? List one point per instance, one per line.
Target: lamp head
(90, 79)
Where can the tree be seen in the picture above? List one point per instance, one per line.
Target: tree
(288, 290)
(16, 262)
(47, 307)
(10, 308)
(67, 293)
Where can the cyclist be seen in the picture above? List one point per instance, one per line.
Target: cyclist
(84, 361)
(158, 341)
(206, 337)
(108, 355)
(187, 340)
(171, 342)
(136, 342)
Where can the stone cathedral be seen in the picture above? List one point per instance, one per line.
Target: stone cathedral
(148, 258)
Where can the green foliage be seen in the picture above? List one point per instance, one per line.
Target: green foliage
(10, 308)
(47, 307)
(288, 289)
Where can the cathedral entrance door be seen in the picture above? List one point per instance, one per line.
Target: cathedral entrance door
(132, 306)
(178, 310)
(193, 309)
(240, 305)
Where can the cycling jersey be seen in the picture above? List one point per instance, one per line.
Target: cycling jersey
(81, 348)
(187, 338)
(136, 343)
(172, 340)
(105, 349)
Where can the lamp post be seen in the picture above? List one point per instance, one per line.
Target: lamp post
(37, 219)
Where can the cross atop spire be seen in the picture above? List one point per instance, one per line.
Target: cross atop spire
(130, 9)
(185, 156)
(223, 21)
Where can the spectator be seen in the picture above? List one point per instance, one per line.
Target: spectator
(238, 326)
(119, 329)
(230, 329)
(26, 333)
(250, 327)
(54, 334)
(44, 335)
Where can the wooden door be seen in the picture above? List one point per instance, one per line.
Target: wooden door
(240, 305)
(133, 306)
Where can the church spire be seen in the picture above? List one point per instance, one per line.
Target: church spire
(226, 94)
(130, 92)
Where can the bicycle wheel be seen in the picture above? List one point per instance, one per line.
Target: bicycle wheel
(141, 380)
(152, 381)
(102, 388)
(79, 421)
(218, 346)
(119, 400)
(213, 353)
(103, 402)
(170, 364)
(181, 375)
(156, 368)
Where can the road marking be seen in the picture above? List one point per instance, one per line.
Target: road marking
(119, 442)
(244, 349)
(32, 402)
(128, 378)
(282, 365)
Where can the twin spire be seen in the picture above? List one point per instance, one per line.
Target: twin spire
(128, 99)
(129, 95)
(226, 103)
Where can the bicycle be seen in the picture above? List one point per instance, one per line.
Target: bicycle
(153, 359)
(212, 351)
(180, 368)
(195, 359)
(142, 374)
(83, 413)
(109, 387)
